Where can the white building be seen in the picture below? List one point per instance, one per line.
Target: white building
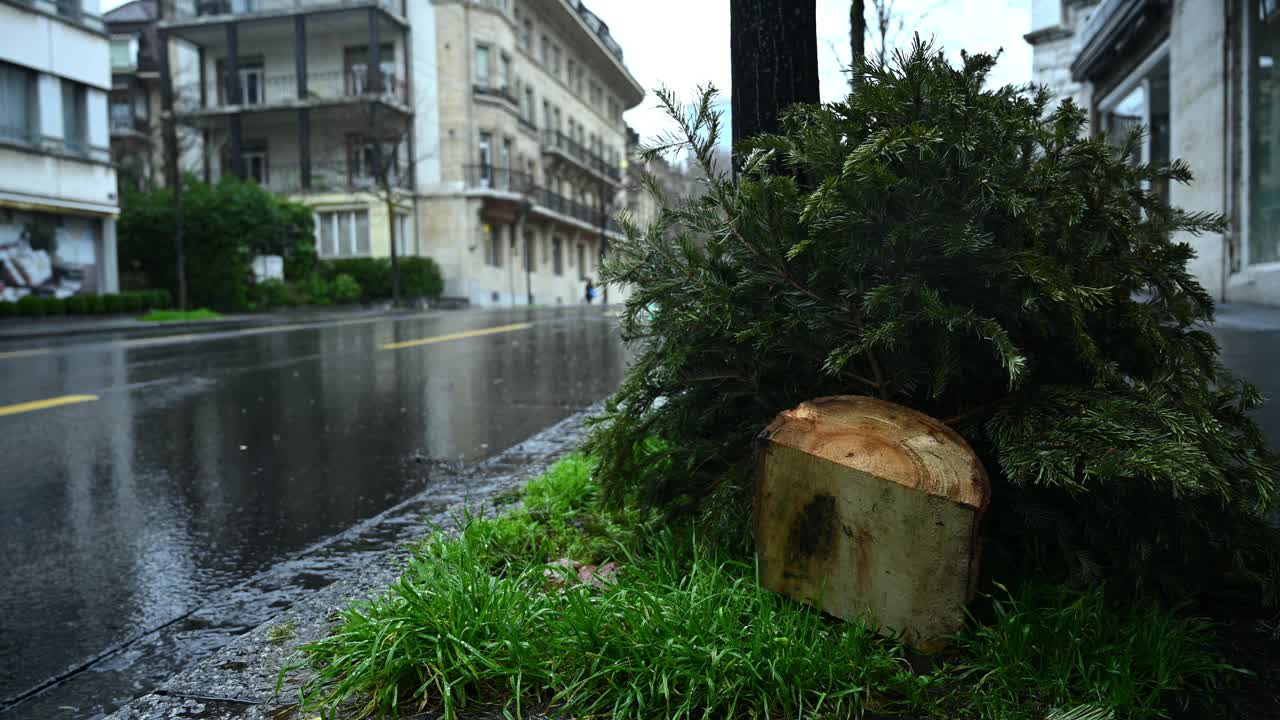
(501, 119)
(1202, 76)
(58, 200)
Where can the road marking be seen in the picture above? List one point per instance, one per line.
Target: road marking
(162, 340)
(45, 404)
(24, 353)
(457, 336)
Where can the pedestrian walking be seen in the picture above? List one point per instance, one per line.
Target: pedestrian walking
(591, 291)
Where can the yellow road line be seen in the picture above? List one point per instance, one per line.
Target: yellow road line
(457, 336)
(24, 353)
(45, 404)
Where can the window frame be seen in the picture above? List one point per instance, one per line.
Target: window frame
(1246, 161)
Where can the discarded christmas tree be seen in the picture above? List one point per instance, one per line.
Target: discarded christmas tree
(974, 255)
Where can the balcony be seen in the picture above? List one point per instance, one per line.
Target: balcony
(287, 179)
(186, 9)
(69, 10)
(272, 91)
(497, 180)
(496, 93)
(556, 142)
(488, 177)
(124, 124)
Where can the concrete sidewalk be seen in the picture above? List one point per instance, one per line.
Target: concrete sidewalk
(239, 682)
(18, 330)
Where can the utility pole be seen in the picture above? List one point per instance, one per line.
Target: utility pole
(173, 172)
(773, 51)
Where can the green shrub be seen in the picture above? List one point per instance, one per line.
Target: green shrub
(947, 247)
(54, 306)
(97, 304)
(345, 289)
(159, 299)
(317, 291)
(8, 309)
(133, 302)
(31, 306)
(78, 305)
(227, 224)
(420, 277)
(112, 304)
(269, 294)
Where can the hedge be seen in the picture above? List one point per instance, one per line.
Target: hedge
(129, 302)
(419, 276)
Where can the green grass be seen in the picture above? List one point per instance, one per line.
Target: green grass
(688, 632)
(162, 316)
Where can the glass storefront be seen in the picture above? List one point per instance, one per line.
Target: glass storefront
(1264, 127)
(1143, 100)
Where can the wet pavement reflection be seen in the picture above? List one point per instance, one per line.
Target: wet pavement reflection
(204, 462)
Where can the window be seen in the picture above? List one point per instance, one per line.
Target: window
(526, 35)
(344, 233)
(356, 59)
(577, 82)
(124, 52)
(482, 65)
(614, 113)
(555, 60)
(492, 246)
(572, 69)
(546, 114)
(1262, 159)
(546, 51)
(17, 103)
(406, 241)
(504, 175)
(557, 119)
(1142, 99)
(254, 162)
(75, 113)
(121, 114)
(486, 158)
(582, 262)
(504, 73)
(557, 255)
(363, 160)
(596, 96)
(528, 103)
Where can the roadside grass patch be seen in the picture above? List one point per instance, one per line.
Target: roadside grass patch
(688, 632)
(163, 316)
(282, 633)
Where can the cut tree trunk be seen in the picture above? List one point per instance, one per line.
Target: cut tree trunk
(867, 509)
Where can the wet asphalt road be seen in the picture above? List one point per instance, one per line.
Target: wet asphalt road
(206, 460)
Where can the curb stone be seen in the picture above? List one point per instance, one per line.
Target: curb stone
(239, 681)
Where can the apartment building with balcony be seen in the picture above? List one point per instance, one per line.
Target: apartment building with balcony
(308, 98)
(58, 201)
(1202, 77)
(528, 147)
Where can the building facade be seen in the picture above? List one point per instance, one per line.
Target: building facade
(1201, 76)
(486, 134)
(58, 202)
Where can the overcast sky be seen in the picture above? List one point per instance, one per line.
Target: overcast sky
(685, 43)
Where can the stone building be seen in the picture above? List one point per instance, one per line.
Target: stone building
(1201, 75)
(58, 201)
(486, 134)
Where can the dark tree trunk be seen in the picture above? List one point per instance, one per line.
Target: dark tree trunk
(774, 53)
(857, 37)
(173, 173)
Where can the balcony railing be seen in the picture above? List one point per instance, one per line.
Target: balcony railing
(554, 140)
(69, 10)
(204, 8)
(124, 122)
(488, 177)
(502, 93)
(287, 178)
(275, 89)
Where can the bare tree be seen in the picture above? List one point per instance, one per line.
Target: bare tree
(857, 36)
